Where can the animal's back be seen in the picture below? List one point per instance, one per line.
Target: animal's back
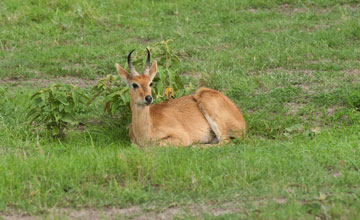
(207, 116)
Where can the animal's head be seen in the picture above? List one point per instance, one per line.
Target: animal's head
(139, 84)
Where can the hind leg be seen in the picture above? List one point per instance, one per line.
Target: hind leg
(225, 119)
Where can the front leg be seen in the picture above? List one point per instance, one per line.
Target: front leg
(132, 137)
(173, 141)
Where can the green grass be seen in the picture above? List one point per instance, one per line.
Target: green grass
(291, 66)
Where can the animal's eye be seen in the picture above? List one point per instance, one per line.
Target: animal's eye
(135, 86)
(151, 84)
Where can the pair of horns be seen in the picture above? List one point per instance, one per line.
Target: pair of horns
(147, 65)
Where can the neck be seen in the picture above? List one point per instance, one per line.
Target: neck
(141, 123)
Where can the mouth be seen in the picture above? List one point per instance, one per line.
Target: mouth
(147, 103)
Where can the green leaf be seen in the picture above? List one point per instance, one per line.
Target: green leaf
(178, 82)
(68, 109)
(68, 118)
(55, 131)
(75, 97)
(38, 101)
(162, 74)
(114, 106)
(160, 88)
(33, 117)
(123, 90)
(63, 100)
(125, 99)
(61, 107)
(44, 97)
(57, 116)
(171, 76)
(175, 59)
(179, 93)
(35, 95)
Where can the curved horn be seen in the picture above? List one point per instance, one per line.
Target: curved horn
(131, 67)
(147, 65)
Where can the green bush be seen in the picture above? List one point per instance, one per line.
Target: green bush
(56, 106)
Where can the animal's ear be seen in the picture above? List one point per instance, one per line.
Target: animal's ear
(153, 70)
(123, 74)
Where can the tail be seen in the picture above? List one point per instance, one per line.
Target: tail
(213, 125)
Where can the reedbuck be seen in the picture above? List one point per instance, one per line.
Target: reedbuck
(206, 117)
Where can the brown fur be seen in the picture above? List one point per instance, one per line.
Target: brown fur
(206, 117)
(222, 111)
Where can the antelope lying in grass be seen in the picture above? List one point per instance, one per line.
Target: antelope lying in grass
(206, 117)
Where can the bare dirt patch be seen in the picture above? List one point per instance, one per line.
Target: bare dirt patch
(253, 10)
(134, 212)
(306, 88)
(330, 111)
(280, 200)
(293, 107)
(18, 82)
(289, 10)
(354, 74)
(273, 71)
(18, 217)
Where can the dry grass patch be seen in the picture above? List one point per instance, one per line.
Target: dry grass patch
(18, 82)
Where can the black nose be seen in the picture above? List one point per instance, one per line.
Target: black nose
(148, 99)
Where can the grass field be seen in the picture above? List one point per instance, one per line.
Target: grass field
(291, 66)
